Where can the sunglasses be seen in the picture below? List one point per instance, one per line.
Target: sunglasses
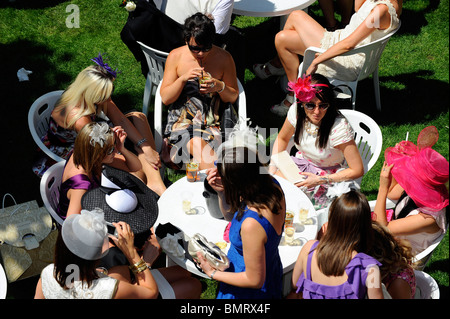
(311, 106)
(196, 49)
(111, 150)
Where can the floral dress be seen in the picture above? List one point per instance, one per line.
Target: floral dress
(310, 158)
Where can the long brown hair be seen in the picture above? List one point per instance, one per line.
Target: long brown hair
(67, 264)
(90, 155)
(246, 182)
(349, 229)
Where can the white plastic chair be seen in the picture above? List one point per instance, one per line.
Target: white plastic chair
(372, 52)
(156, 61)
(158, 113)
(49, 187)
(3, 283)
(422, 258)
(368, 138)
(426, 286)
(38, 119)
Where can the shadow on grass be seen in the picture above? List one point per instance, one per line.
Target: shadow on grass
(29, 4)
(18, 147)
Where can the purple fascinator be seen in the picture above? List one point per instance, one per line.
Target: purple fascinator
(100, 62)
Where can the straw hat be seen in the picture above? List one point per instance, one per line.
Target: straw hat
(421, 171)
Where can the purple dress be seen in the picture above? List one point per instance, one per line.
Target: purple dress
(80, 181)
(354, 288)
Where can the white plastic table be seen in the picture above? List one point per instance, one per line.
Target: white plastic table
(3, 283)
(269, 8)
(170, 211)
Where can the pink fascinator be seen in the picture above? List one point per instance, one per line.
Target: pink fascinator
(303, 89)
(421, 171)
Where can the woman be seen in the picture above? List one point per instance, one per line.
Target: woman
(95, 145)
(337, 266)
(82, 242)
(396, 270)
(255, 204)
(88, 99)
(195, 100)
(372, 20)
(416, 176)
(323, 138)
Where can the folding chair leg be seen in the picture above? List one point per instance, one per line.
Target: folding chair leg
(147, 95)
(376, 87)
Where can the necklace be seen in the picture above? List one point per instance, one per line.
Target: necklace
(311, 131)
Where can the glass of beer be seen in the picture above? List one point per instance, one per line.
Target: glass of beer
(191, 171)
(186, 200)
(289, 233)
(289, 220)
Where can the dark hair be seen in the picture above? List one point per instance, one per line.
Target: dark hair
(246, 182)
(349, 229)
(326, 95)
(201, 28)
(64, 258)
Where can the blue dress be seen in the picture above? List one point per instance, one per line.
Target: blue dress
(272, 287)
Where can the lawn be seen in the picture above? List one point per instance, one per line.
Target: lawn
(37, 35)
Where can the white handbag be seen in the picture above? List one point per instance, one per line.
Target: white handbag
(215, 257)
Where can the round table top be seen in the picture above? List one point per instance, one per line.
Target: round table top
(269, 8)
(3, 283)
(170, 211)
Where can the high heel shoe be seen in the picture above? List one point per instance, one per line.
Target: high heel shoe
(281, 109)
(266, 70)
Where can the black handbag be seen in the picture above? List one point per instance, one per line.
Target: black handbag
(228, 120)
(343, 99)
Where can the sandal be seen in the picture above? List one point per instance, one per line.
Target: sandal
(281, 109)
(266, 70)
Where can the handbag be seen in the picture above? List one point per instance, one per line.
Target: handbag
(344, 100)
(27, 239)
(228, 120)
(215, 257)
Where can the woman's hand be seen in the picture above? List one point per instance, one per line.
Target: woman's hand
(192, 74)
(151, 249)
(125, 239)
(210, 86)
(214, 179)
(386, 176)
(120, 136)
(204, 265)
(152, 157)
(311, 180)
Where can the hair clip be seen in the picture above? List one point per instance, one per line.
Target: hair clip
(303, 89)
(100, 62)
(99, 134)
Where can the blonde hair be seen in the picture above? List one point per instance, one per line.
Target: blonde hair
(90, 155)
(86, 95)
(394, 254)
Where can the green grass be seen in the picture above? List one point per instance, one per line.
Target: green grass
(414, 74)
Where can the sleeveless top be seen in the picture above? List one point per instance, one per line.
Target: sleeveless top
(102, 288)
(272, 287)
(346, 68)
(354, 288)
(80, 181)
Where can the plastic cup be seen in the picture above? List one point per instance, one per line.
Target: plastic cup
(289, 233)
(191, 171)
(289, 220)
(186, 201)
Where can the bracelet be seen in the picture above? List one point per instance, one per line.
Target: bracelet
(138, 267)
(140, 142)
(325, 178)
(223, 88)
(212, 274)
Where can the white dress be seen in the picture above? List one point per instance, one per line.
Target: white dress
(346, 68)
(102, 288)
(420, 241)
(329, 159)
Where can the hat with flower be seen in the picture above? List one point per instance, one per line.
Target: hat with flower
(303, 89)
(421, 171)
